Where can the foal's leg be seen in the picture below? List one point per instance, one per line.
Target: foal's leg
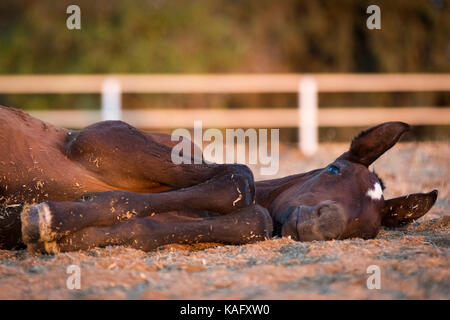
(49, 220)
(246, 225)
(132, 160)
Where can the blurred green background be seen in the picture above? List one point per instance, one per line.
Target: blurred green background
(224, 36)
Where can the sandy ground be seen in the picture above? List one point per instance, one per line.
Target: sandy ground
(414, 261)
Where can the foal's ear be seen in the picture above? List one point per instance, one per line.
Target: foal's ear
(403, 210)
(370, 144)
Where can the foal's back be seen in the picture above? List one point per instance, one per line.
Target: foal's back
(34, 164)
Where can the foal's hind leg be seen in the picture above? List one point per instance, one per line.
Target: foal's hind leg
(246, 225)
(130, 159)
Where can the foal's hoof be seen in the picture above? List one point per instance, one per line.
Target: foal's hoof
(43, 247)
(266, 222)
(36, 221)
(256, 223)
(36, 247)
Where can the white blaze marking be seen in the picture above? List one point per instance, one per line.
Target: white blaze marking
(376, 192)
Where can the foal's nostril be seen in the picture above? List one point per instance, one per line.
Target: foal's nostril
(319, 211)
(331, 220)
(327, 222)
(327, 207)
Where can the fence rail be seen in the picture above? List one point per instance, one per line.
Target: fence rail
(250, 118)
(307, 117)
(223, 83)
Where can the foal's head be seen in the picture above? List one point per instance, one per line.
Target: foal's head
(345, 199)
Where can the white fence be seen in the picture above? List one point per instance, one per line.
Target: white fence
(307, 118)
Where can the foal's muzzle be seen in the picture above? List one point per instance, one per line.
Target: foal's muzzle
(324, 221)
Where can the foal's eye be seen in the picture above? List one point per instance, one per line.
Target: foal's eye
(333, 169)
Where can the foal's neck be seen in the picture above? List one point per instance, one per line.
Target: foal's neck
(268, 190)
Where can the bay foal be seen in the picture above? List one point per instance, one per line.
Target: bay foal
(112, 184)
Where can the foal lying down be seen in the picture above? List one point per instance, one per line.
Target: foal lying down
(112, 184)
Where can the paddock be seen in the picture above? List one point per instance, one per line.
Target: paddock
(414, 260)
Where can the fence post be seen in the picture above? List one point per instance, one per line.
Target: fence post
(111, 99)
(307, 104)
